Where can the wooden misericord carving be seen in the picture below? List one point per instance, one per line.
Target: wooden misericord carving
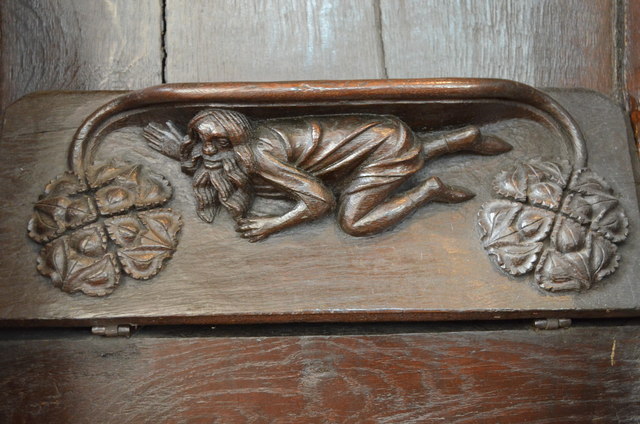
(351, 163)
(100, 220)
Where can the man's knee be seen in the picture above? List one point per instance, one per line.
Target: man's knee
(352, 225)
(355, 228)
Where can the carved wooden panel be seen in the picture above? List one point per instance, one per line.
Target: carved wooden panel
(353, 212)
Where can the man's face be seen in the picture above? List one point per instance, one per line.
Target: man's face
(217, 177)
(214, 143)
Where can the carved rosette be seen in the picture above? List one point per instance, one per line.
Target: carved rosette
(560, 223)
(94, 231)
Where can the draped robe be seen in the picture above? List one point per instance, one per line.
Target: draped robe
(348, 153)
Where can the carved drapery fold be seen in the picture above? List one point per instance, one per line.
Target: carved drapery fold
(99, 221)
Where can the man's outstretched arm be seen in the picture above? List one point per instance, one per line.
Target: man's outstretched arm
(313, 198)
(166, 139)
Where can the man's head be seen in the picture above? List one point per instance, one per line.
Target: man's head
(215, 132)
(209, 154)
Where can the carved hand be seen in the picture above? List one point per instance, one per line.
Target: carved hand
(165, 139)
(258, 228)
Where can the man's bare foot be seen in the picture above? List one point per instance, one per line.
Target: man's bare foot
(443, 193)
(489, 146)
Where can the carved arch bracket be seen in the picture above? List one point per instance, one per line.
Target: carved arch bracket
(100, 221)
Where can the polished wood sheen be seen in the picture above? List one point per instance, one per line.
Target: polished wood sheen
(483, 376)
(586, 374)
(431, 266)
(631, 60)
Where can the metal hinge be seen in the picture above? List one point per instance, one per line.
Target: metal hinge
(112, 330)
(552, 323)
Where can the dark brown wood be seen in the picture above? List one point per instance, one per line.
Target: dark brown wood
(588, 374)
(352, 164)
(631, 71)
(291, 276)
(566, 378)
(631, 48)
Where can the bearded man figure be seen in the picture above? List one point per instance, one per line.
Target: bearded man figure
(354, 162)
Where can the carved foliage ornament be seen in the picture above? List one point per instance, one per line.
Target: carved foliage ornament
(354, 164)
(97, 222)
(94, 231)
(560, 223)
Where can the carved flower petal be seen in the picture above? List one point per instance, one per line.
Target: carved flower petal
(563, 272)
(89, 241)
(114, 199)
(121, 188)
(577, 207)
(80, 211)
(163, 225)
(577, 270)
(64, 185)
(123, 230)
(79, 261)
(546, 194)
(516, 259)
(98, 279)
(557, 172)
(495, 219)
(512, 184)
(610, 220)
(603, 257)
(594, 203)
(540, 181)
(534, 224)
(145, 240)
(588, 182)
(153, 190)
(52, 216)
(102, 174)
(52, 261)
(568, 236)
(44, 225)
(143, 263)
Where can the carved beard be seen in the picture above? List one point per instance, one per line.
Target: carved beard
(227, 185)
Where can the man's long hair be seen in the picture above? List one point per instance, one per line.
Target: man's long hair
(237, 125)
(228, 186)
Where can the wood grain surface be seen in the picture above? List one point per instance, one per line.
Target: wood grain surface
(518, 376)
(632, 47)
(631, 71)
(575, 376)
(544, 43)
(254, 40)
(430, 267)
(78, 44)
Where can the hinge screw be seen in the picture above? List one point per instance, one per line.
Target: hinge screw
(112, 330)
(552, 323)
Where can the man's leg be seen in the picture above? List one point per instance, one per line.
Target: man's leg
(467, 139)
(370, 211)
